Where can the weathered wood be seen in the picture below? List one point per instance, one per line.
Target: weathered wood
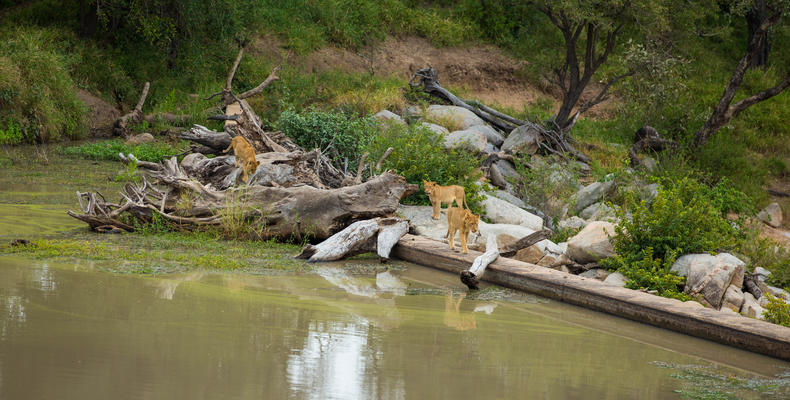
(390, 232)
(218, 141)
(731, 329)
(471, 277)
(121, 125)
(379, 235)
(526, 241)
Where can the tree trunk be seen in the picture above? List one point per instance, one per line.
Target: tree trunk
(754, 18)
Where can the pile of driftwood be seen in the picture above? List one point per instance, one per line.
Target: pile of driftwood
(294, 193)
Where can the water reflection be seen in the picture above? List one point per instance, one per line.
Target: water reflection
(453, 317)
(166, 288)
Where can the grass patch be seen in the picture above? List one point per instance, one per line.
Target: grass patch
(108, 150)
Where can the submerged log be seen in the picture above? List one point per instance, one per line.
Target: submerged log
(471, 277)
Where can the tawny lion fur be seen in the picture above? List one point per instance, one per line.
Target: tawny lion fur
(439, 195)
(460, 219)
(245, 155)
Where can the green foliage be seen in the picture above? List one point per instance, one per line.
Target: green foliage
(549, 186)
(109, 149)
(419, 154)
(128, 174)
(647, 272)
(38, 101)
(345, 135)
(682, 219)
(777, 311)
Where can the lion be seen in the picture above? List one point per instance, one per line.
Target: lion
(439, 195)
(245, 155)
(460, 219)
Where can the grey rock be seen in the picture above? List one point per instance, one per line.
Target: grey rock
(751, 307)
(598, 212)
(710, 275)
(592, 193)
(615, 279)
(523, 140)
(456, 117)
(778, 292)
(490, 149)
(501, 173)
(733, 298)
(761, 273)
(421, 220)
(389, 117)
(649, 163)
(436, 128)
(502, 212)
(771, 215)
(492, 136)
(412, 113)
(573, 222)
(503, 195)
(592, 243)
(467, 138)
(596, 273)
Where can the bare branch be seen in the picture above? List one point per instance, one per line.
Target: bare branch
(258, 89)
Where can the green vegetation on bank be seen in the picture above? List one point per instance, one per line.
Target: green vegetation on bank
(108, 150)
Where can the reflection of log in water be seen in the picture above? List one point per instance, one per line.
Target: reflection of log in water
(453, 317)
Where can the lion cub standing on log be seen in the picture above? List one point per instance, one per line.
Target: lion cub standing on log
(245, 155)
(460, 219)
(439, 195)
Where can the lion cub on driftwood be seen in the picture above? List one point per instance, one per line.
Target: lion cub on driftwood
(439, 195)
(245, 155)
(460, 219)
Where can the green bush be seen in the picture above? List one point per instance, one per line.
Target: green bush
(682, 219)
(109, 149)
(38, 100)
(419, 154)
(348, 135)
(777, 311)
(549, 186)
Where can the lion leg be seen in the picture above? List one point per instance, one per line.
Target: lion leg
(451, 239)
(436, 207)
(464, 237)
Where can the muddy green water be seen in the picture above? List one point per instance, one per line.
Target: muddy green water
(344, 331)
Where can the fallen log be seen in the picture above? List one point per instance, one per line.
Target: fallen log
(526, 241)
(122, 125)
(471, 277)
(379, 235)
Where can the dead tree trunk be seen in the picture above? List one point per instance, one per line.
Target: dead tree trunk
(122, 125)
(647, 138)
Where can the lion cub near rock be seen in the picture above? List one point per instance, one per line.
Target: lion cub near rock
(460, 219)
(439, 195)
(245, 155)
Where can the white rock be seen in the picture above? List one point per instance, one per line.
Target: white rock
(514, 231)
(710, 275)
(563, 247)
(733, 298)
(573, 222)
(615, 279)
(592, 243)
(466, 138)
(596, 273)
(751, 308)
(778, 292)
(592, 193)
(492, 136)
(501, 194)
(456, 117)
(771, 215)
(501, 212)
(436, 128)
(388, 116)
(550, 248)
(421, 219)
(598, 212)
(762, 273)
(523, 140)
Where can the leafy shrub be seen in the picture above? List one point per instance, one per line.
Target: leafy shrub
(109, 149)
(548, 186)
(38, 101)
(777, 311)
(419, 154)
(347, 135)
(682, 219)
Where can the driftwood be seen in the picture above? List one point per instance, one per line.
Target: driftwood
(648, 139)
(526, 241)
(121, 125)
(556, 141)
(471, 277)
(379, 235)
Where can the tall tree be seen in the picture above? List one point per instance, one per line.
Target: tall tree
(724, 109)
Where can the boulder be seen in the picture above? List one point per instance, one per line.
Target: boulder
(771, 215)
(412, 113)
(710, 275)
(503, 195)
(561, 260)
(436, 128)
(761, 273)
(140, 139)
(562, 268)
(501, 212)
(592, 193)
(523, 140)
(389, 117)
(490, 149)
(422, 223)
(467, 138)
(751, 308)
(596, 273)
(599, 212)
(615, 279)
(492, 136)
(531, 254)
(733, 298)
(547, 261)
(777, 292)
(486, 229)
(549, 247)
(592, 243)
(572, 223)
(452, 117)
(501, 172)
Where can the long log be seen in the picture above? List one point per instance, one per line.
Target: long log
(526, 241)
(379, 235)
